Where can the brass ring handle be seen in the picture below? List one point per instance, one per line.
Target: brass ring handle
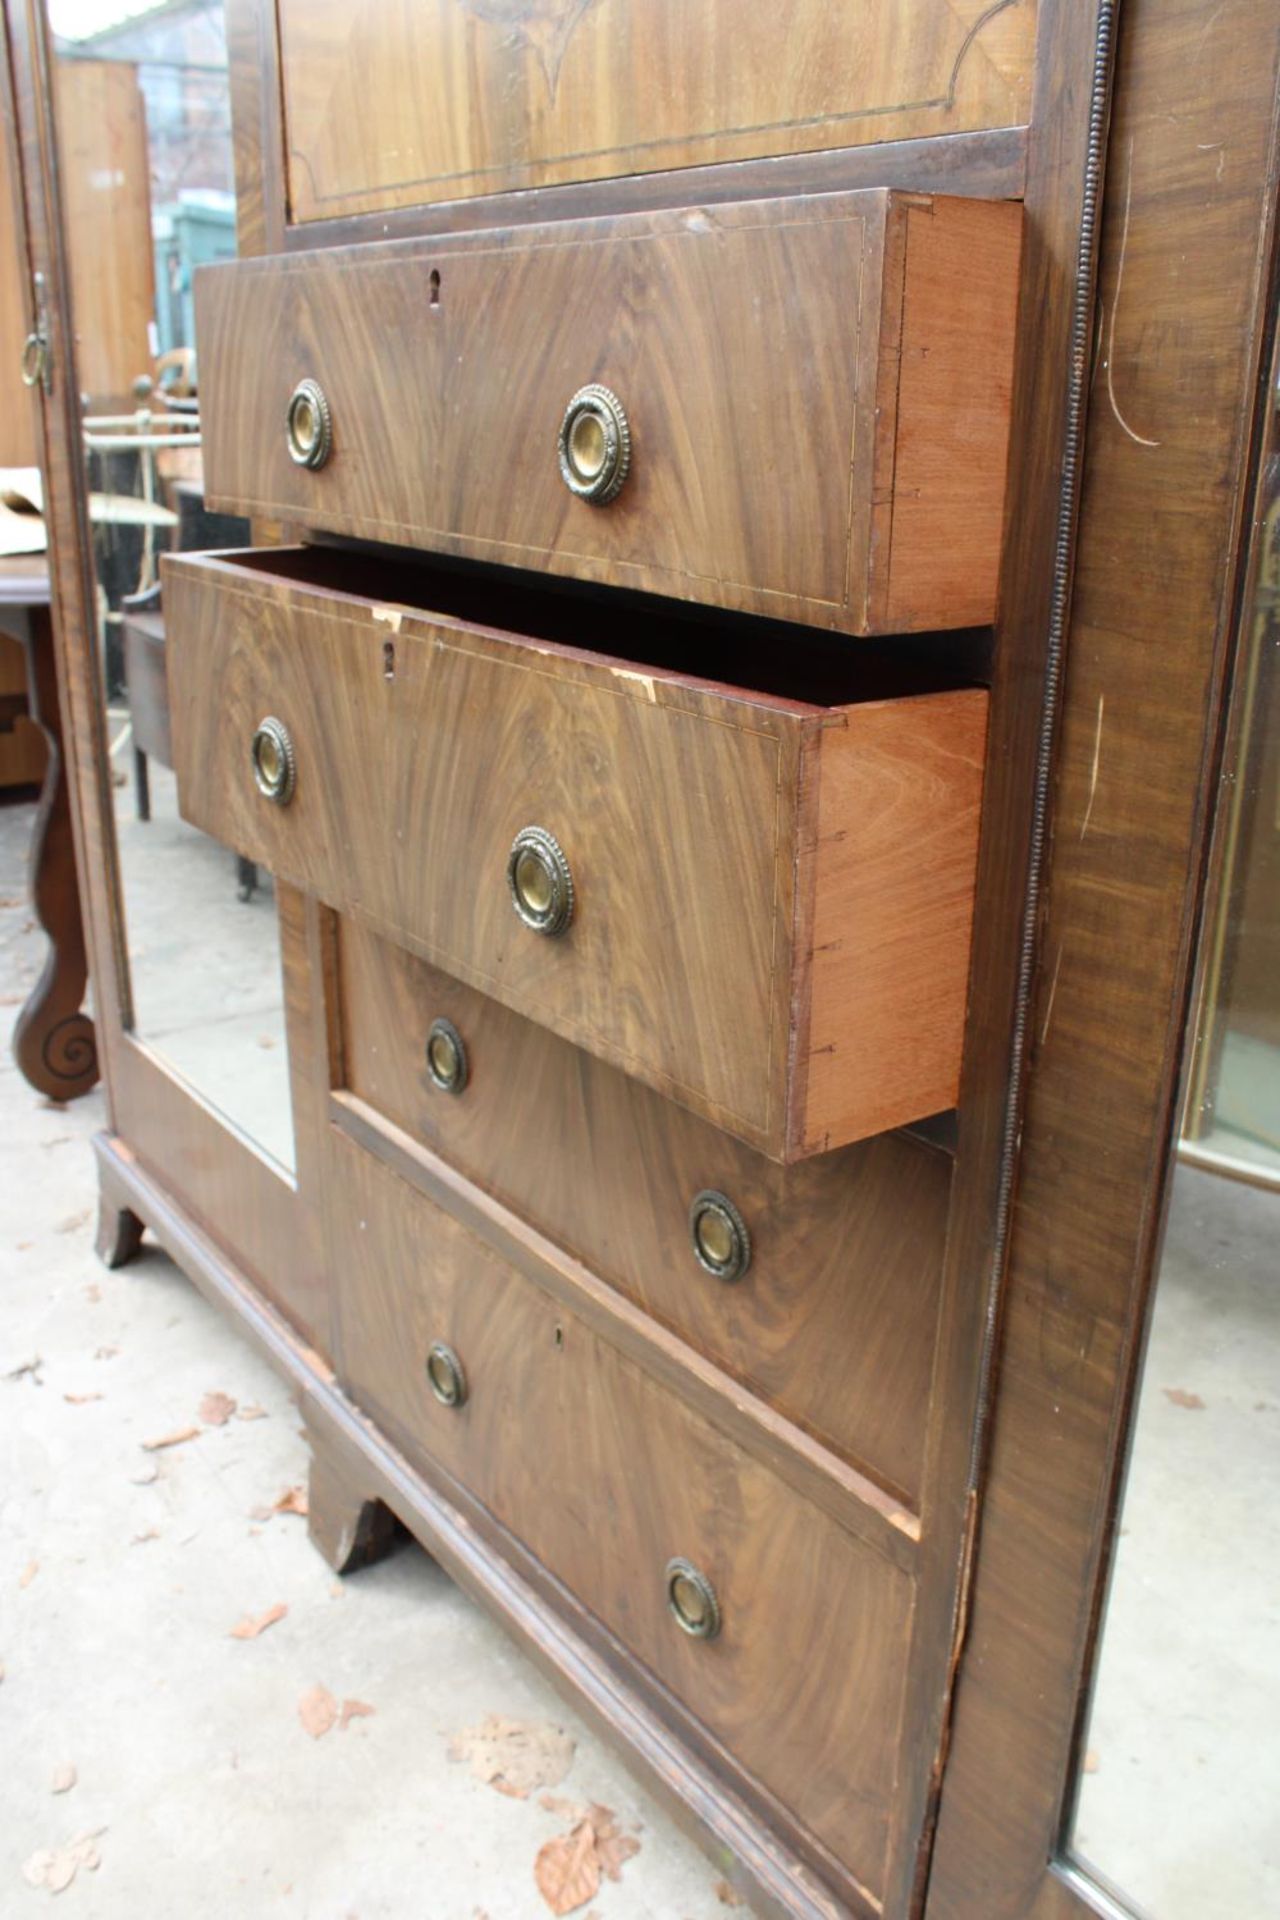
(309, 425)
(692, 1599)
(595, 445)
(446, 1057)
(540, 881)
(275, 767)
(445, 1375)
(719, 1235)
(35, 359)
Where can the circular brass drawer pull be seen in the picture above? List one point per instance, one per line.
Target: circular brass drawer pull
(275, 769)
(719, 1235)
(594, 445)
(446, 1056)
(692, 1599)
(310, 425)
(445, 1376)
(540, 881)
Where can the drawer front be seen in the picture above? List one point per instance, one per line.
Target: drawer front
(816, 398)
(834, 1320)
(605, 1477)
(771, 902)
(569, 91)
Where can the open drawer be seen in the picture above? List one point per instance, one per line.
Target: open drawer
(796, 407)
(759, 902)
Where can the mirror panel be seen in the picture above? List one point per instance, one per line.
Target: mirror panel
(147, 181)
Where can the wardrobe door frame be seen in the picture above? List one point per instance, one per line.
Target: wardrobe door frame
(156, 1120)
(1187, 294)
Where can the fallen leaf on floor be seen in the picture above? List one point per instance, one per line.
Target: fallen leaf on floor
(216, 1409)
(1181, 1398)
(176, 1439)
(31, 1366)
(317, 1711)
(613, 1847)
(149, 1475)
(54, 1868)
(140, 1539)
(292, 1500)
(93, 1292)
(28, 1573)
(80, 1399)
(354, 1710)
(567, 1869)
(253, 1624)
(105, 1353)
(1091, 1762)
(515, 1756)
(64, 1778)
(265, 1041)
(25, 1246)
(73, 1221)
(726, 1895)
(251, 1413)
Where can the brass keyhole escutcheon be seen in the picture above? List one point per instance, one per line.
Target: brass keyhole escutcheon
(446, 1056)
(719, 1235)
(595, 445)
(310, 425)
(692, 1599)
(540, 881)
(445, 1376)
(274, 765)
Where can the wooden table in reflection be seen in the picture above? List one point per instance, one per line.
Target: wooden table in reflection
(53, 1041)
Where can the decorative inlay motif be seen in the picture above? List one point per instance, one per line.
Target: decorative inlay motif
(544, 26)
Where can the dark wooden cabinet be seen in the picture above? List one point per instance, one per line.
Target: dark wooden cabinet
(726, 683)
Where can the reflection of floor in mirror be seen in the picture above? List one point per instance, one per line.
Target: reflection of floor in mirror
(1181, 1797)
(208, 994)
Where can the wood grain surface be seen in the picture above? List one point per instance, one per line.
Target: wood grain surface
(106, 180)
(479, 95)
(832, 1324)
(605, 1476)
(688, 960)
(818, 392)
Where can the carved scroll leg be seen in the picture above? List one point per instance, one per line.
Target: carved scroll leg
(346, 1523)
(53, 1041)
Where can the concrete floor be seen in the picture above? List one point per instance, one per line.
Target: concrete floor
(207, 1798)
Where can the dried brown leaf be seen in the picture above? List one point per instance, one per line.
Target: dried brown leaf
(1182, 1398)
(216, 1409)
(64, 1778)
(614, 1850)
(54, 1868)
(567, 1869)
(515, 1756)
(725, 1894)
(80, 1399)
(317, 1711)
(28, 1573)
(253, 1624)
(251, 1413)
(355, 1710)
(93, 1292)
(177, 1438)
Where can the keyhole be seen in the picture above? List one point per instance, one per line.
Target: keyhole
(388, 659)
(435, 287)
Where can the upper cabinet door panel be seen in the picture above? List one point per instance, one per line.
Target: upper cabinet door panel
(480, 96)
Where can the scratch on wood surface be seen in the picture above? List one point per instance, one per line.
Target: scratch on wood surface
(1093, 771)
(1138, 438)
(644, 679)
(1053, 991)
